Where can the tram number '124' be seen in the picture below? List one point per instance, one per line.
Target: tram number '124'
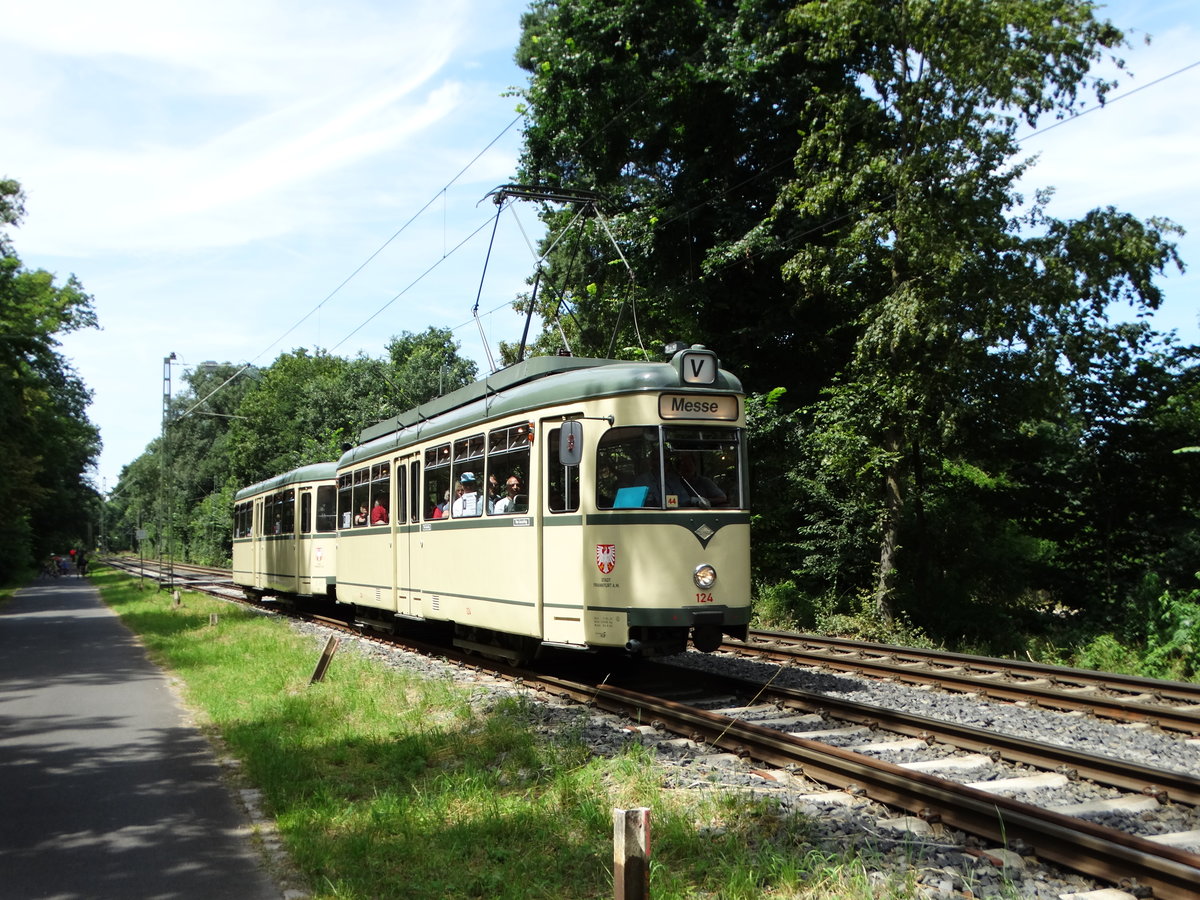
(704, 598)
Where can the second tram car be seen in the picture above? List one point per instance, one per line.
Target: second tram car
(581, 503)
(285, 533)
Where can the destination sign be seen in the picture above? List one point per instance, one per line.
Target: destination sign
(697, 406)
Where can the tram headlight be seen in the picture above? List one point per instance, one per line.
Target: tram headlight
(705, 576)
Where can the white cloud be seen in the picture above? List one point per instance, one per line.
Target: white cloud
(237, 46)
(187, 121)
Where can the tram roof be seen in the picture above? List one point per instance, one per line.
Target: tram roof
(535, 383)
(326, 471)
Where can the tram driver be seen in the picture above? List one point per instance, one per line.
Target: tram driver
(689, 486)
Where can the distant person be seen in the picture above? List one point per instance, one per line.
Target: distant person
(361, 517)
(81, 564)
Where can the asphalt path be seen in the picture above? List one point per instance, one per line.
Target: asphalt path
(105, 790)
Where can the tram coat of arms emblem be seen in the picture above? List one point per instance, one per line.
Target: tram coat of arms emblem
(606, 557)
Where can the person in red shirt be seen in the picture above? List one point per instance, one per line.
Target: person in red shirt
(379, 513)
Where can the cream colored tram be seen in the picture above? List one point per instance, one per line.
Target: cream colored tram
(285, 533)
(610, 511)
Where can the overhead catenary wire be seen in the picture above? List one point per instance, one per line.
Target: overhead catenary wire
(412, 284)
(440, 193)
(475, 311)
(413, 218)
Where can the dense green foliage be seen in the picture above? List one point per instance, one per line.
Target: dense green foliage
(948, 424)
(47, 442)
(230, 426)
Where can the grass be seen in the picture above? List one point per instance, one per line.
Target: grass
(385, 784)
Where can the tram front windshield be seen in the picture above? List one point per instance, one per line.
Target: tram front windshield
(669, 467)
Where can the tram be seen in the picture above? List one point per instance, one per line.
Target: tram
(285, 534)
(590, 504)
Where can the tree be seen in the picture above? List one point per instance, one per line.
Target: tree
(47, 442)
(233, 426)
(685, 127)
(427, 365)
(898, 286)
(944, 274)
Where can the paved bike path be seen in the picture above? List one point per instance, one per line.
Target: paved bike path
(105, 790)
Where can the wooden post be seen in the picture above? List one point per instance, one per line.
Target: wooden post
(326, 657)
(631, 853)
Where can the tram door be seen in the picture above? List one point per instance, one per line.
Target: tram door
(407, 518)
(562, 574)
(260, 543)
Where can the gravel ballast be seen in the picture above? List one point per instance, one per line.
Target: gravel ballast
(892, 845)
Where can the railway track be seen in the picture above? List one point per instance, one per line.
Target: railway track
(937, 774)
(1170, 705)
(184, 575)
(962, 777)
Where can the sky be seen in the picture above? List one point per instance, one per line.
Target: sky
(233, 179)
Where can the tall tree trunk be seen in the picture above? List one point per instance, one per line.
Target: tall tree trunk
(889, 544)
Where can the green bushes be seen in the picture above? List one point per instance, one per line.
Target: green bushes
(1157, 637)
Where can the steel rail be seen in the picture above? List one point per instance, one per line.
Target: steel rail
(1176, 719)
(1077, 844)
(1182, 691)
(1162, 784)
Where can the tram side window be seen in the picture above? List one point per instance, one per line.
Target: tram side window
(562, 482)
(468, 458)
(346, 499)
(305, 511)
(287, 512)
(414, 492)
(362, 496)
(438, 495)
(401, 507)
(326, 508)
(243, 518)
(381, 488)
(628, 470)
(273, 508)
(508, 460)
